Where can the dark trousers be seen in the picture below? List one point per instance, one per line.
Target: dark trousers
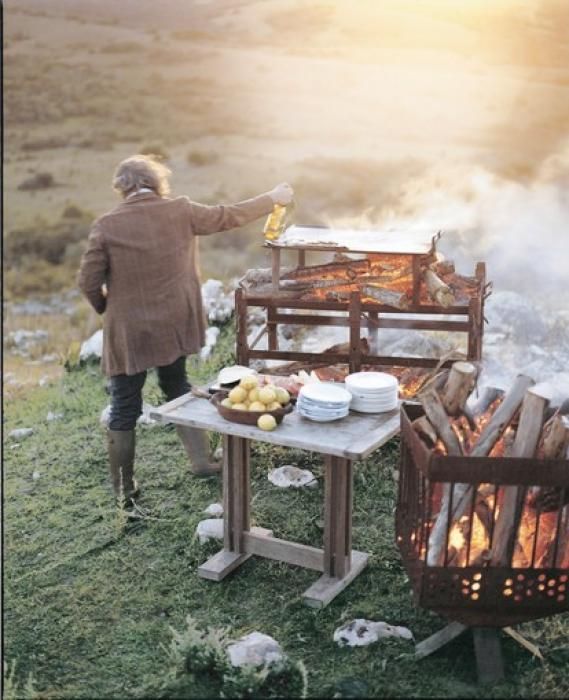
(126, 392)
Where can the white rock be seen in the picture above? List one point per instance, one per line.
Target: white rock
(143, 419)
(23, 339)
(210, 529)
(255, 649)
(211, 336)
(92, 348)
(43, 381)
(36, 476)
(215, 510)
(360, 633)
(51, 416)
(217, 304)
(218, 454)
(289, 475)
(20, 433)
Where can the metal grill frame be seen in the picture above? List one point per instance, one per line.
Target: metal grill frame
(356, 315)
(442, 588)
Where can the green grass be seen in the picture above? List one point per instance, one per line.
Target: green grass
(88, 603)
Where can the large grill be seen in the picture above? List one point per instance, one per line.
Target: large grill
(376, 280)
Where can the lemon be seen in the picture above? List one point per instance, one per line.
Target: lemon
(267, 422)
(227, 403)
(283, 397)
(273, 406)
(267, 395)
(253, 395)
(257, 406)
(248, 382)
(238, 394)
(239, 406)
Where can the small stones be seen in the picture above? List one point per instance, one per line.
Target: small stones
(20, 433)
(255, 649)
(359, 633)
(290, 476)
(210, 529)
(215, 510)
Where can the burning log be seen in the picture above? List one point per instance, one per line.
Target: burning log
(424, 428)
(462, 494)
(348, 269)
(442, 267)
(554, 445)
(485, 401)
(458, 387)
(439, 292)
(525, 445)
(388, 297)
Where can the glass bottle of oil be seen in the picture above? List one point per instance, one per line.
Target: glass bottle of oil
(274, 225)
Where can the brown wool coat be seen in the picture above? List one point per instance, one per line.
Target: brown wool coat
(144, 250)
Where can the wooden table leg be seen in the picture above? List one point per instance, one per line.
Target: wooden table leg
(341, 564)
(236, 507)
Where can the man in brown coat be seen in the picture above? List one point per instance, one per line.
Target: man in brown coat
(140, 271)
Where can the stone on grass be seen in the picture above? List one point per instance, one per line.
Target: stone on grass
(52, 415)
(360, 633)
(211, 336)
(288, 475)
(210, 529)
(215, 510)
(92, 348)
(255, 649)
(36, 476)
(20, 433)
(217, 304)
(143, 419)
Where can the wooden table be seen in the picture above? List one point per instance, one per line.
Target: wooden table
(340, 442)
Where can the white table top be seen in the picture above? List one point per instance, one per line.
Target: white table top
(409, 242)
(354, 437)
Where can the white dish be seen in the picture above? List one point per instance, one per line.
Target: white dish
(235, 373)
(371, 381)
(325, 393)
(366, 409)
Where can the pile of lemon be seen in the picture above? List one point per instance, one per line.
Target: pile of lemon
(248, 396)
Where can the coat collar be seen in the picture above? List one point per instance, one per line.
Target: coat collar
(139, 197)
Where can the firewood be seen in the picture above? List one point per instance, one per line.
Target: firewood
(389, 297)
(439, 292)
(458, 387)
(425, 430)
(463, 492)
(525, 445)
(435, 412)
(554, 445)
(485, 400)
(350, 269)
(442, 267)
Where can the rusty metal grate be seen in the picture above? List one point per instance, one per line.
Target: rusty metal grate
(465, 587)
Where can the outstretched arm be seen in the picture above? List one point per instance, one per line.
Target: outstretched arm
(93, 271)
(212, 219)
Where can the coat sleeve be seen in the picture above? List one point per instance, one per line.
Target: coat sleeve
(211, 219)
(93, 270)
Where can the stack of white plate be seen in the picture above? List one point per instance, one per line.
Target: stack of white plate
(373, 392)
(323, 402)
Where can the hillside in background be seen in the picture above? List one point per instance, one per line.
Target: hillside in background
(354, 103)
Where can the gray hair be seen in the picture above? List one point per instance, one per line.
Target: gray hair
(141, 171)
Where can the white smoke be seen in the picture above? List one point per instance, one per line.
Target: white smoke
(521, 230)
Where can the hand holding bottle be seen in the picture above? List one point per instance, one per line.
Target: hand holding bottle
(282, 194)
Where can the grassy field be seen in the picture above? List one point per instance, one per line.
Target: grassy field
(89, 601)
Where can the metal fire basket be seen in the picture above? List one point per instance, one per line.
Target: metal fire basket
(469, 591)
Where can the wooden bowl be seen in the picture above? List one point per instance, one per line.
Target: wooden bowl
(246, 417)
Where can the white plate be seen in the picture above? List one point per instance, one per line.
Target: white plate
(371, 381)
(326, 419)
(328, 393)
(235, 373)
(375, 410)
